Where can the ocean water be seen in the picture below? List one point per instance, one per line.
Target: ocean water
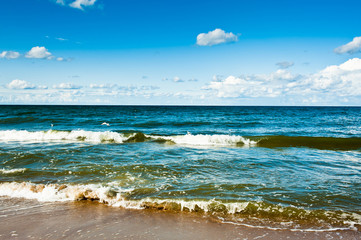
(276, 167)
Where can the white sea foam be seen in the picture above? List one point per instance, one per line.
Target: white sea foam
(112, 195)
(52, 135)
(108, 194)
(108, 136)
(208, 140)
(11, 171)
(56, 192)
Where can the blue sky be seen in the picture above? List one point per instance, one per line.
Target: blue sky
(180, 52)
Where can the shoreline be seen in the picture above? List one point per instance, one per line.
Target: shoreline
(30, 219)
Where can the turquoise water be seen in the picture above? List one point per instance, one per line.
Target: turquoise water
(282, 167)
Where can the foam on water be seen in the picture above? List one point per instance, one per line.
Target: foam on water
(11, 171)
(188, 139)
(52, 135)
(229, 212)
(56, 192)
(108, 136)
(207, 140)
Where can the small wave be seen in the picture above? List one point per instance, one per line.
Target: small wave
(256, 214)
(53, 135)
(323, 143)
(114, 137)
(207, 140)
(12, 171)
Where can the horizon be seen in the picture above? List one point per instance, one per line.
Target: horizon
(144, 105)
(180, 53)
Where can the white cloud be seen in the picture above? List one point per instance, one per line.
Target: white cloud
(215, 37)
(61, 39)
(9, 55)
(39, 52)
(61, 59)
(82, 3)
(285, 64)
(340, 80)
(61, 2)
(330, 84)
(66, 86)
(352, 47)
(177, 80)
(234, 87)
(102, 86)
(20, 84)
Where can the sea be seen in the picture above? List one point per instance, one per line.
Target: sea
(296, 168)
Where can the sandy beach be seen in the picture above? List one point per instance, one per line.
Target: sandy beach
(90, 220)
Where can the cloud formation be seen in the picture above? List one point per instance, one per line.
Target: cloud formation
(82, 3)
(9, 54)
(18, 84)
(352, 47)
(215, 37)
(177, 79)
(336, 81)
(250, 86)
(79, 4)
(66, 86)
(39, 53)
(61, 2)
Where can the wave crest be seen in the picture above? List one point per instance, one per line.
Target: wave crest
(207, 140)
(323, 143)
(53, 135)
(254, 213)
(12, 171)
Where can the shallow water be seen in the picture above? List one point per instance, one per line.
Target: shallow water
(281, 167)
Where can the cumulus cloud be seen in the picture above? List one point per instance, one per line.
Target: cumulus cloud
(341, 80)
(66, 86)
(82, 3)
(248, 86)
(285, 64)
(79, 4)
(336, 81)
(61, 2)
(9, 54)
(39, 52)
(18, 84)
(20, 91)
(352, 47)
(177, 79)
(104, 86)
(215, 37)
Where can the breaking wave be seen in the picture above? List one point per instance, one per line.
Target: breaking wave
(12, 171)
(207, 140)
(256, 214)
(325, 143)
(115, 137)
(53, 135)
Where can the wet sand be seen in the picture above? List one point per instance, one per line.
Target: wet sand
(26, 219)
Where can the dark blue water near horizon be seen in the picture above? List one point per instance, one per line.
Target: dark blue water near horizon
(283, 167)
(243, 120)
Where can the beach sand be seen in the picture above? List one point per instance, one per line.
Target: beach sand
(27, 219)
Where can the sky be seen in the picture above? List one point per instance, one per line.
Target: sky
(180, 52)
